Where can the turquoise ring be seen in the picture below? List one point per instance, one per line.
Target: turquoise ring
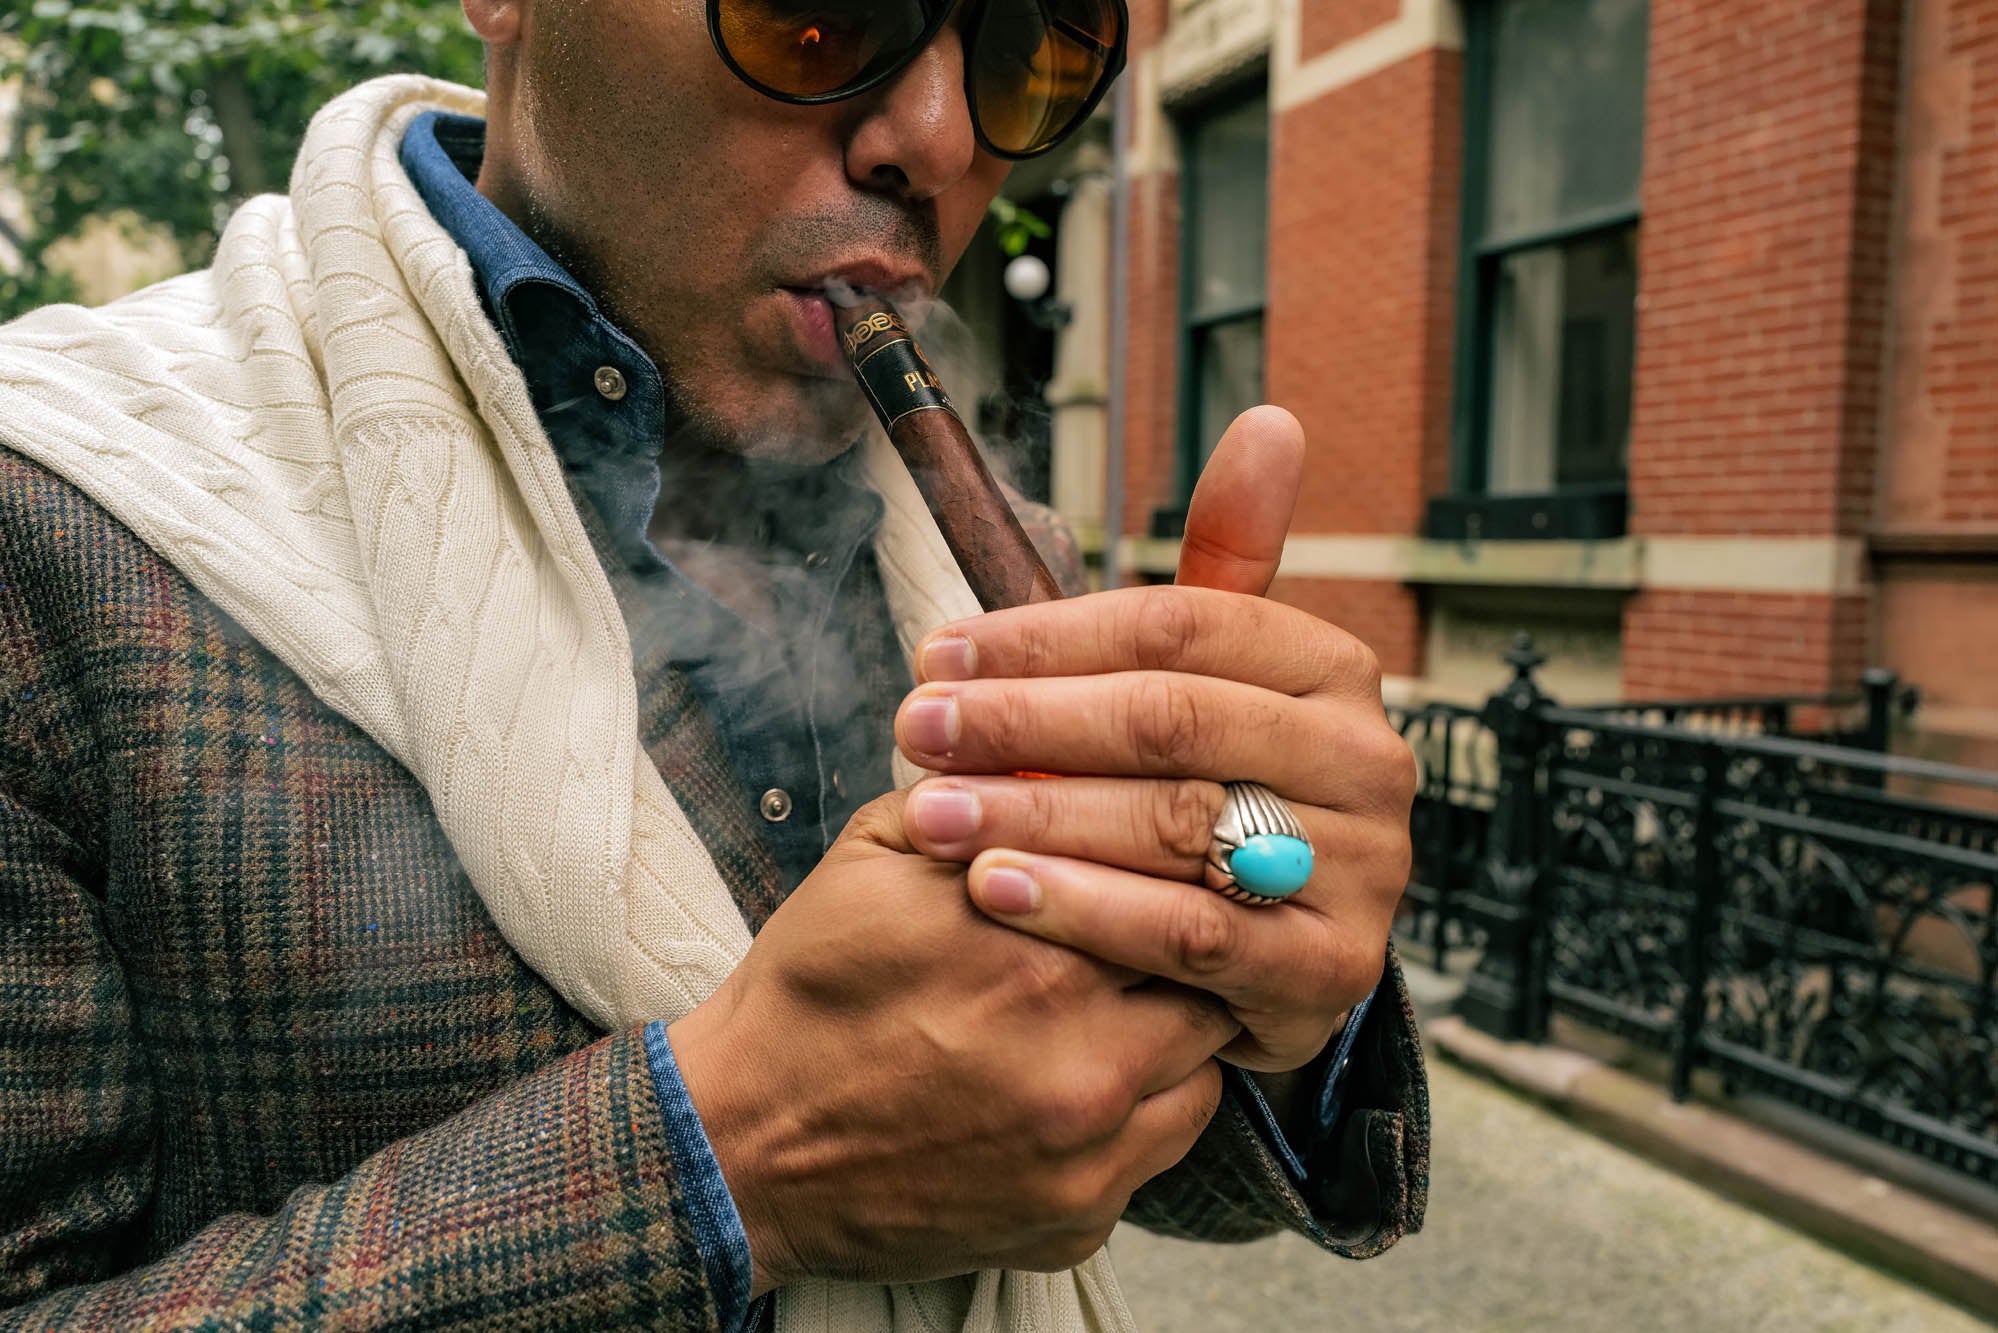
(1259, 854)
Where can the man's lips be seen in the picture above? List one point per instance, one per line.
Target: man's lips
(817, 335)
(813, 295)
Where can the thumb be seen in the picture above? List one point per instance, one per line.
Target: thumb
(1242, 505)
(876, 826)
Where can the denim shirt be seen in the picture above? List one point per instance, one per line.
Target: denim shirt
(603, 403)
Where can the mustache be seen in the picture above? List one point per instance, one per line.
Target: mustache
(872, 224)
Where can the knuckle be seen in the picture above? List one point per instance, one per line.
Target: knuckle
(1203, 934)
(1165, 724)
(1183, 817)
(1036, 650)
(1407, 773)
(1368, 669)
(1166, 629)
(1100, 1108)
(1323, 972)
(1047, 974)
(1397, 860)
(1040, 819)
(1079, 1115)
(1351, 970)
(1004, 722)
(1348, 665)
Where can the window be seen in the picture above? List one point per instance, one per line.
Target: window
(1225, 255)
(1554, 117)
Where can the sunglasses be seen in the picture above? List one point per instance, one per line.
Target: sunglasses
(1033, 69)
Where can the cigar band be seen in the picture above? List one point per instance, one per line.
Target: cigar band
(899, 381)
(867, 330)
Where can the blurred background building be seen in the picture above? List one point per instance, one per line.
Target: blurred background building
(1665, 330)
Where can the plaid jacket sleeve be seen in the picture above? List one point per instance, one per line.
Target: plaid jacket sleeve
(542, 1191)
(550, 1204)
(1368, 1180)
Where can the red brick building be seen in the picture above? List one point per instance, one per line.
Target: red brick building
(1666, 330)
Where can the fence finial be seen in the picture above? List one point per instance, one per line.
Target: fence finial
(1523, 657)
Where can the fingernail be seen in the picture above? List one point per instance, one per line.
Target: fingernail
(931, 724)
(1011, 890)
(950, 658)
(945, 814)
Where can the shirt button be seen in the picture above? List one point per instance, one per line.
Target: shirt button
(776, 805)
(815, 560)
(610, 382)
(839, 783)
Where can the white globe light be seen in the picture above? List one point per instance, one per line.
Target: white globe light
(1027, 278)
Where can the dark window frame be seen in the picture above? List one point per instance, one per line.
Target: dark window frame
(1189, 326)
(1470, 511)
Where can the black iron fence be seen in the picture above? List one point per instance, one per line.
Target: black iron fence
(1753, 887)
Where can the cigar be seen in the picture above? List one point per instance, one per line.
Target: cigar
(979, 526)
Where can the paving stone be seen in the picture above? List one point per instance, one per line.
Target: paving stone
(1534, 1225)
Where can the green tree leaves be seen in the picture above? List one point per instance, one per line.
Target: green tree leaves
(176, 110)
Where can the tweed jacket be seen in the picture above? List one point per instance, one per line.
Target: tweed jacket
(265, 1060)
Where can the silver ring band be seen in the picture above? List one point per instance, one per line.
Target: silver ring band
(1251, 810)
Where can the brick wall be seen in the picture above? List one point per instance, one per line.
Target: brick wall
(1768, 188)
(1937, 619)
(1694, 643)
(1363, 236)
(1329, 23)
(1943, 470)
(1151, 461)
(1363, 231)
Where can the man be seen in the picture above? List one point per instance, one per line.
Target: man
(446, 630)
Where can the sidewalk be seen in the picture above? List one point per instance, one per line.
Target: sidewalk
(1534, 1224)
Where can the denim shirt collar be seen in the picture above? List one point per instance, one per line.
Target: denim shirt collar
(442, 153)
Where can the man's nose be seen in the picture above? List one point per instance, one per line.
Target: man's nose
(914, 136)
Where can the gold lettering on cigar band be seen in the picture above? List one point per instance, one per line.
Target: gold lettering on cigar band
(922, 379)
(881, 321)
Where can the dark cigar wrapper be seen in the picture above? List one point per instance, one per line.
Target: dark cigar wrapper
(978, 524)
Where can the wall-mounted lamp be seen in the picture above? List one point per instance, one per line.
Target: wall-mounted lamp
(1027, 281)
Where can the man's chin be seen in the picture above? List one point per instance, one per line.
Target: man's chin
(805, 451)
(823, 421)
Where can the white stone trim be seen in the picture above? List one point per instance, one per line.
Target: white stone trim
(1421, 26)
(1342, 556)
(1827, 566)
(1811, 565)
(1352, 556)
(1210, 42)
(1153, 147)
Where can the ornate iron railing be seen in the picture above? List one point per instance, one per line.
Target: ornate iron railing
(1458, 762)
(1785, 912)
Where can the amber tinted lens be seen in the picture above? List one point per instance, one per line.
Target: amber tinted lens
(1036, 64)
(804, 49)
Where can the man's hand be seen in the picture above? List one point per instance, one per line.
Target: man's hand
(1154, 697)
(896, 1088)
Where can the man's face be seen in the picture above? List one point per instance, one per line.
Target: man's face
(708, 218)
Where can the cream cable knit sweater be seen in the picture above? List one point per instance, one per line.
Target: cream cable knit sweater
(326, 435)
